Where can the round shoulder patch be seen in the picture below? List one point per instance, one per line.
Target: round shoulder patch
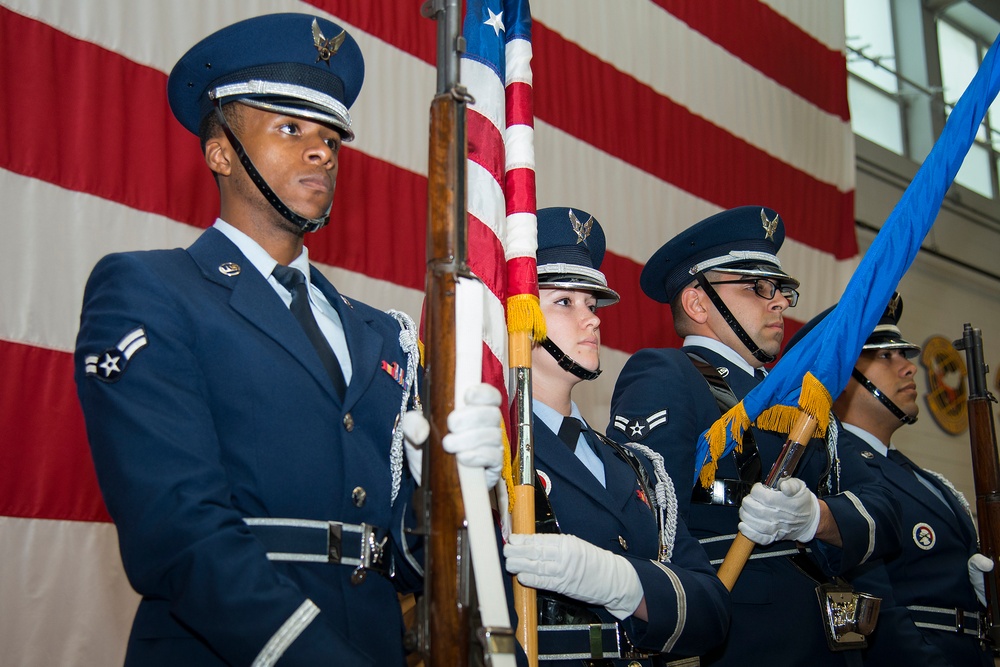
(924, 536)
(546, 481)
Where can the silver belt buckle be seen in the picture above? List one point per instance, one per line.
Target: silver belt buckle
(718, 492)
(848, 617)
(372, 555)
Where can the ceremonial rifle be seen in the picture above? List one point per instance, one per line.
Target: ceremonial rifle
(461, 561)
(985, 470)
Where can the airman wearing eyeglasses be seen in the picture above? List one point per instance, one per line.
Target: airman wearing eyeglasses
(729, 296)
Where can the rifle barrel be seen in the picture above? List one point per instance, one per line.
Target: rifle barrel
(985, 469)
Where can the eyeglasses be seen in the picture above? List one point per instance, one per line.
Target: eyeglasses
(764, 288)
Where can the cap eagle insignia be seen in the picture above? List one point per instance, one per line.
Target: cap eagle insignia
(582, 229)
(770, 226)
(327, 48)
(894, 305)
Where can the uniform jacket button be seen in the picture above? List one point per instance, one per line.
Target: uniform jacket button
(621, 541)
(349, 422)
(358, 496)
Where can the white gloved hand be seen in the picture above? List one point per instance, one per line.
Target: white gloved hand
(978, 565)
(768, 515)
(416, 428)
(474, 435)
(568, 565)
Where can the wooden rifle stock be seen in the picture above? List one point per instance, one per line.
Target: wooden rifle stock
(446, 629)
(985, 470)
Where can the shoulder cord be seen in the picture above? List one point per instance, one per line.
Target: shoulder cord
(408, 343)
(666, 501)
(832, 475)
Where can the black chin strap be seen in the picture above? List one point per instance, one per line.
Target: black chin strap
(883, 399)
(567, 364)
(306, 224)
(758, 354)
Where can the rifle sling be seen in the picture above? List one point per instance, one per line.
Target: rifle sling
(747, 458)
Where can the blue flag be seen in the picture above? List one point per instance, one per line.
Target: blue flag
(816, 370)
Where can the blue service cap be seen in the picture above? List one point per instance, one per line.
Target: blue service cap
(885, 336)
(570, 251)
(294, 64)
(743, 241)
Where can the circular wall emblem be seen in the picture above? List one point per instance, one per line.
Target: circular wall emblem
(546, 481)
(923, 536)
(946, 379)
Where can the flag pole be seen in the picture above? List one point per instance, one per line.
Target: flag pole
(801, 433)
(523, 514)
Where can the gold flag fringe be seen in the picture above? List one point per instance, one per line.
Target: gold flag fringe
(814, 400)
(524, 314)
(735, 421)
(508, 469)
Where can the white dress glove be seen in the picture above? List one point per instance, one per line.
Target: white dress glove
(568, 565)
(978, 565)
(791, 513)
(474, 435)
(474, 432)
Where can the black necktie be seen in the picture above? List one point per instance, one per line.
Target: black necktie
(295, 282)
(569, 432)
(898, 458)
(759, 374)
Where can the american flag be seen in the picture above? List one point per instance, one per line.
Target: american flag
(650, 114)
(501, 171)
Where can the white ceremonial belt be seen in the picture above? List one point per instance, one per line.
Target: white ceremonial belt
(305, 540)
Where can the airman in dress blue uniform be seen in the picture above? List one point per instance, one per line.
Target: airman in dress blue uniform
(241, 412)
(612, 553)
(932, 611)
(728, 294)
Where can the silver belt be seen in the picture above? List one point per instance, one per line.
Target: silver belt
(596, 641)
(946, 619)
(305, 540)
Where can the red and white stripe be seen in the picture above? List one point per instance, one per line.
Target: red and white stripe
(650, 114)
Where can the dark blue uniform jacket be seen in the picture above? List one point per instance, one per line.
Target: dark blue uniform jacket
(226, 413)
(664, 402)
(931, 570)
(687, 604)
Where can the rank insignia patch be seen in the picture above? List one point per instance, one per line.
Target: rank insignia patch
(109, 365)
(638, 429)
